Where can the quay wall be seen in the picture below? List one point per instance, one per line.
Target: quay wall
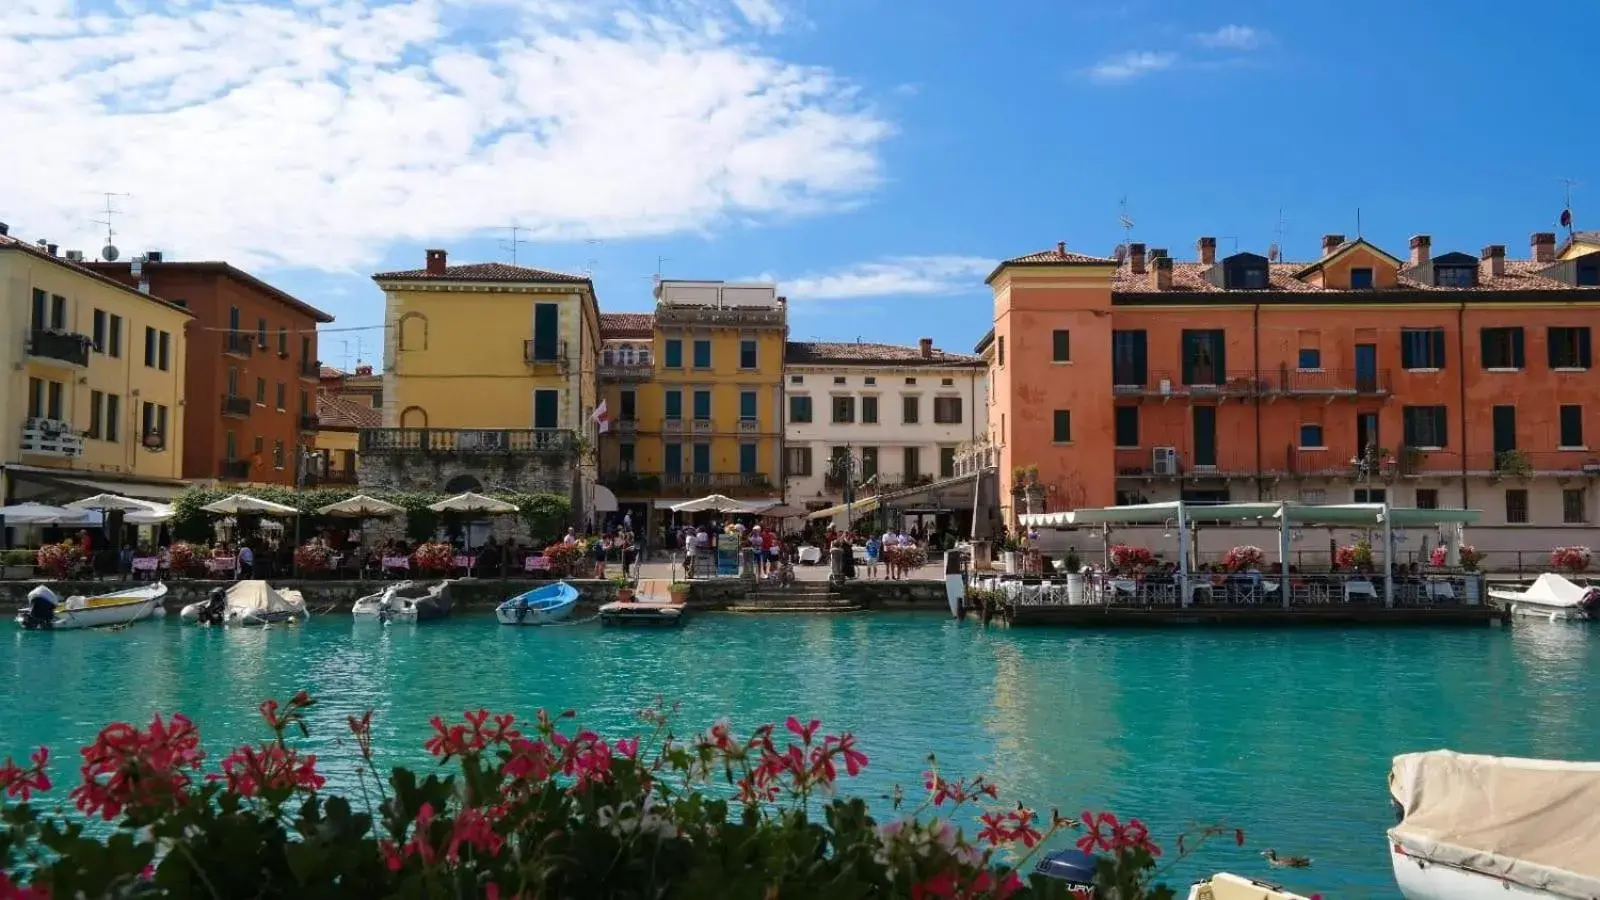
(320, 594)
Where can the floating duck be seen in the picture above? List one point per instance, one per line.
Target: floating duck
(1286, 862)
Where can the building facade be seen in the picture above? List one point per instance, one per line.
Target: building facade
(347, 403)
(901, 415)
(251, 371)
(1430, 379)
(488, 381)
(694, 395)
(94, 396)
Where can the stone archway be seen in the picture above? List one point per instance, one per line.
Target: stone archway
(461, 484)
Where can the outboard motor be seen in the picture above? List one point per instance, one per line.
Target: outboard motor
(386, 605)
(1074, 867)
(215, 609)
(41, 611)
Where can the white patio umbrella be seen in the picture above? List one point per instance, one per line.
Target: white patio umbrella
(109, 502)
(474, 503)
(361, 507)
(716, 503)
(149, 514)
(42, 514)
(244, 504)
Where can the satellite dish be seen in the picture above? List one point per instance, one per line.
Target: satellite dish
(109, 253)
(1120, 253)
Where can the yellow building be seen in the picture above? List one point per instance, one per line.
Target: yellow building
(94, 382)
(694, 396)
(488, 381)
(347, 403)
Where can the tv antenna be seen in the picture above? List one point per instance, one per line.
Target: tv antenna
(1234, 238)
(1566, 210)
(1124, 220)
(1275, 252)
(109, 252)
(514, 241)
(1358, 223)
(661, 261)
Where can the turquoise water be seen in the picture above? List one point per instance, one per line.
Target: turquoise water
(1287, 734)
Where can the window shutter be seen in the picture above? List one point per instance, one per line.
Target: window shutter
(1517, 361)
(1408, 355)
(1583, 347)
(1438, 348)
(1219, 352)
(1140, 358)
(1190, 340)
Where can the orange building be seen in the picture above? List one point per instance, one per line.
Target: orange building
(1427, 380)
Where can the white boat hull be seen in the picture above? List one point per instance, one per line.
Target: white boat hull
(291, 611)
(532, 616)
(1422, 880)
(1549, 613)
(955, 590)
(109, 609)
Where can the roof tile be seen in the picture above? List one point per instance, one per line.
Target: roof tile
(823, 352)
(490, 271)
(334, 411)
(627, 325)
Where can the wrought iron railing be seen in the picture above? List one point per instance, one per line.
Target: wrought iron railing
(62, 346)
(233, 405)
(467, 440)
(238, 343)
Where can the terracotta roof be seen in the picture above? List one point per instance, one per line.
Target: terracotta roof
(1058, 255)
(627, 325)
(1190, 278)
(125, 269)
(331, 372)
(7, 242)
(856, 353)
(490, 271)
(334, 411)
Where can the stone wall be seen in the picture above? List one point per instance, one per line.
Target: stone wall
(320, 594)
(717, 593)
(896, 595)
(532, 473)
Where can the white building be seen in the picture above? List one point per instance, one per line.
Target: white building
(900, 413)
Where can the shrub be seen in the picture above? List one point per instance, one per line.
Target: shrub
(56, 560)
(566, 559)
(434, 557)
(313, 556)
(1244, 558)
(534, 809)
(181, 555)
(1572, 560)
(20, 557)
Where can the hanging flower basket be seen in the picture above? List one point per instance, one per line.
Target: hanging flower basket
(1470, 557)
(434, 556)
(1571, 560)
(1127, 559)
(1244, 558)
(1355, 557)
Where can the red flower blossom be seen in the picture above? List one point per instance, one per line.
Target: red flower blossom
(10, 890)
(804, 732)
(473, 829)
(854, 759)
(143, 770)
(530, 761)
(19, 782)
(986, 885)
(252, 772)
(1096, 835)
(362, 729)
(941, 886)
(994, 828)
(1022, 826)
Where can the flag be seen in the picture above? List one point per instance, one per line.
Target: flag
(1566, 218)
(601, 417)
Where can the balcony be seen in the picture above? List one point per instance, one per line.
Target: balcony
(673, 424)
(749, 425)
(234, 470)
(236, 407)
(631, 483)
(1329, 383)
(627, 427)
(732, 485)
(472, 441)
(1170, 385)
(1521, 464)
(626, 371)
(237, 343)
(545, 358)
(51, 438)
(675, 315)
(309, 422)
(1162, 462)
(702, 426)
(60, 346)
(311, 369)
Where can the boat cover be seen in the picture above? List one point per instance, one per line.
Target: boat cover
(1530, 821)
(259, 597)
(1550, 589)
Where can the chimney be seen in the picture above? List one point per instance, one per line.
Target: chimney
(1542, 242)
(4, 229)
(1330, 243)
(1136, 258)
(926, 346)
(436, 262)
(52, 249)
(1421, 249)
(1061, 248)
(1492, 262)
(364, 370)
(1208, 250)
(1161, 271)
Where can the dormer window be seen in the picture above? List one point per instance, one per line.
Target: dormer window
(1588, 274)
(1455, 276)
(1241, 272)
(1361, 278)
(1251, 278)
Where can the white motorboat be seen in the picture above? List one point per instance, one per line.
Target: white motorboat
(248, 603)
(955, 581)
(1551, 597)
(1495, 828)
(405, 601)
(1223, 886)
(47, 611)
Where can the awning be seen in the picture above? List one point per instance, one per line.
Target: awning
(65, 485)
(1371, 514)
(604, 500)
(854, 508)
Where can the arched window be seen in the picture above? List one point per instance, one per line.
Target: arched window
(461, 484)
(605, 357)
(413, 331)
(413, 417)
(644, 356)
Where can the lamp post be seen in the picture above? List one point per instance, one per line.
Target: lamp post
(844, 468)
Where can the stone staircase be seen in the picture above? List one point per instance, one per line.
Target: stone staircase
(801, 597)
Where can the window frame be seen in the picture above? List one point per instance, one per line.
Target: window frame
(1061, 345)
(845, 403)
(946, 419)
(1509, 345)
(910, 409)
(798, 402)
(1321, 436)
(1122, 422)
(1518, 513)
(1429, 342)
(869, 409)
(694, 357)
(1315, 365)
(1061, 426)
(1581, 515)
(755, 354)
(1562, 423)
(1370, 275)
(1568, 348)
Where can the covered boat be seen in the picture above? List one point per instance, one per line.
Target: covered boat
(1551, 597)
(1485, 827)
(249, 603)
(46, 610)
(540, 606)
(406, 601)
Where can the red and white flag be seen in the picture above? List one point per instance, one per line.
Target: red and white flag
(601, 417)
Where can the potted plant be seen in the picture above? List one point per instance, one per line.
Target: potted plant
(1355, 557)
(57, 560)
(566, 559)
(180, 556)
(1572, 560)
(434, 556)
(624, 587)
(313, 558)
(1468, 555)
(1512, 464)
(1074, 567)
(19, 563)
(1244, 558)
(1127, 560)
(679, 591)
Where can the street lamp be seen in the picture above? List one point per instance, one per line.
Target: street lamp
(844, 468)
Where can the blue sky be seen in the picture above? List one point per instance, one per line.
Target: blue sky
(875, 158)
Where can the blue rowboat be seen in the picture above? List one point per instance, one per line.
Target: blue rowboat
(540, 606)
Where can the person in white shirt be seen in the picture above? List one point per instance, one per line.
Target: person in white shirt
(571, 538)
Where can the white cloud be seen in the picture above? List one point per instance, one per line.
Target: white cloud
(1131, 65)
(319, 132)
(1232, 37)
(896, 276)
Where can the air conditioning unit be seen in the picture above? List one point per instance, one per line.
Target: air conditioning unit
(1164, 460)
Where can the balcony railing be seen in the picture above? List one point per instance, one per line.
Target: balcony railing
(60, 346)
(682, 483)
(543, 356)
(51, 438)
(627, 427)
(676, 315)
(621, 371)
(1203, 383)
(234, 469)
(467, 440)
(238, 407)
(672, 423)
(702, 426)
(310, 369)
(1329, 383)
(1531, 463)
(237, 343)
(749, 426)
(309, 422)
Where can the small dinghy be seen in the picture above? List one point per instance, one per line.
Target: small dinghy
(1552, 597)
(540, 606)
(248, 603)
(46, 610)
(405, 601)
(1223, 886)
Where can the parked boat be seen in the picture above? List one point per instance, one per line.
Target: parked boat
(1223, 886)
(1551, 597)
(651, 606)
(248, 603)
(540, 606)
(47, 611)
(1495, 828)
(405, 601)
